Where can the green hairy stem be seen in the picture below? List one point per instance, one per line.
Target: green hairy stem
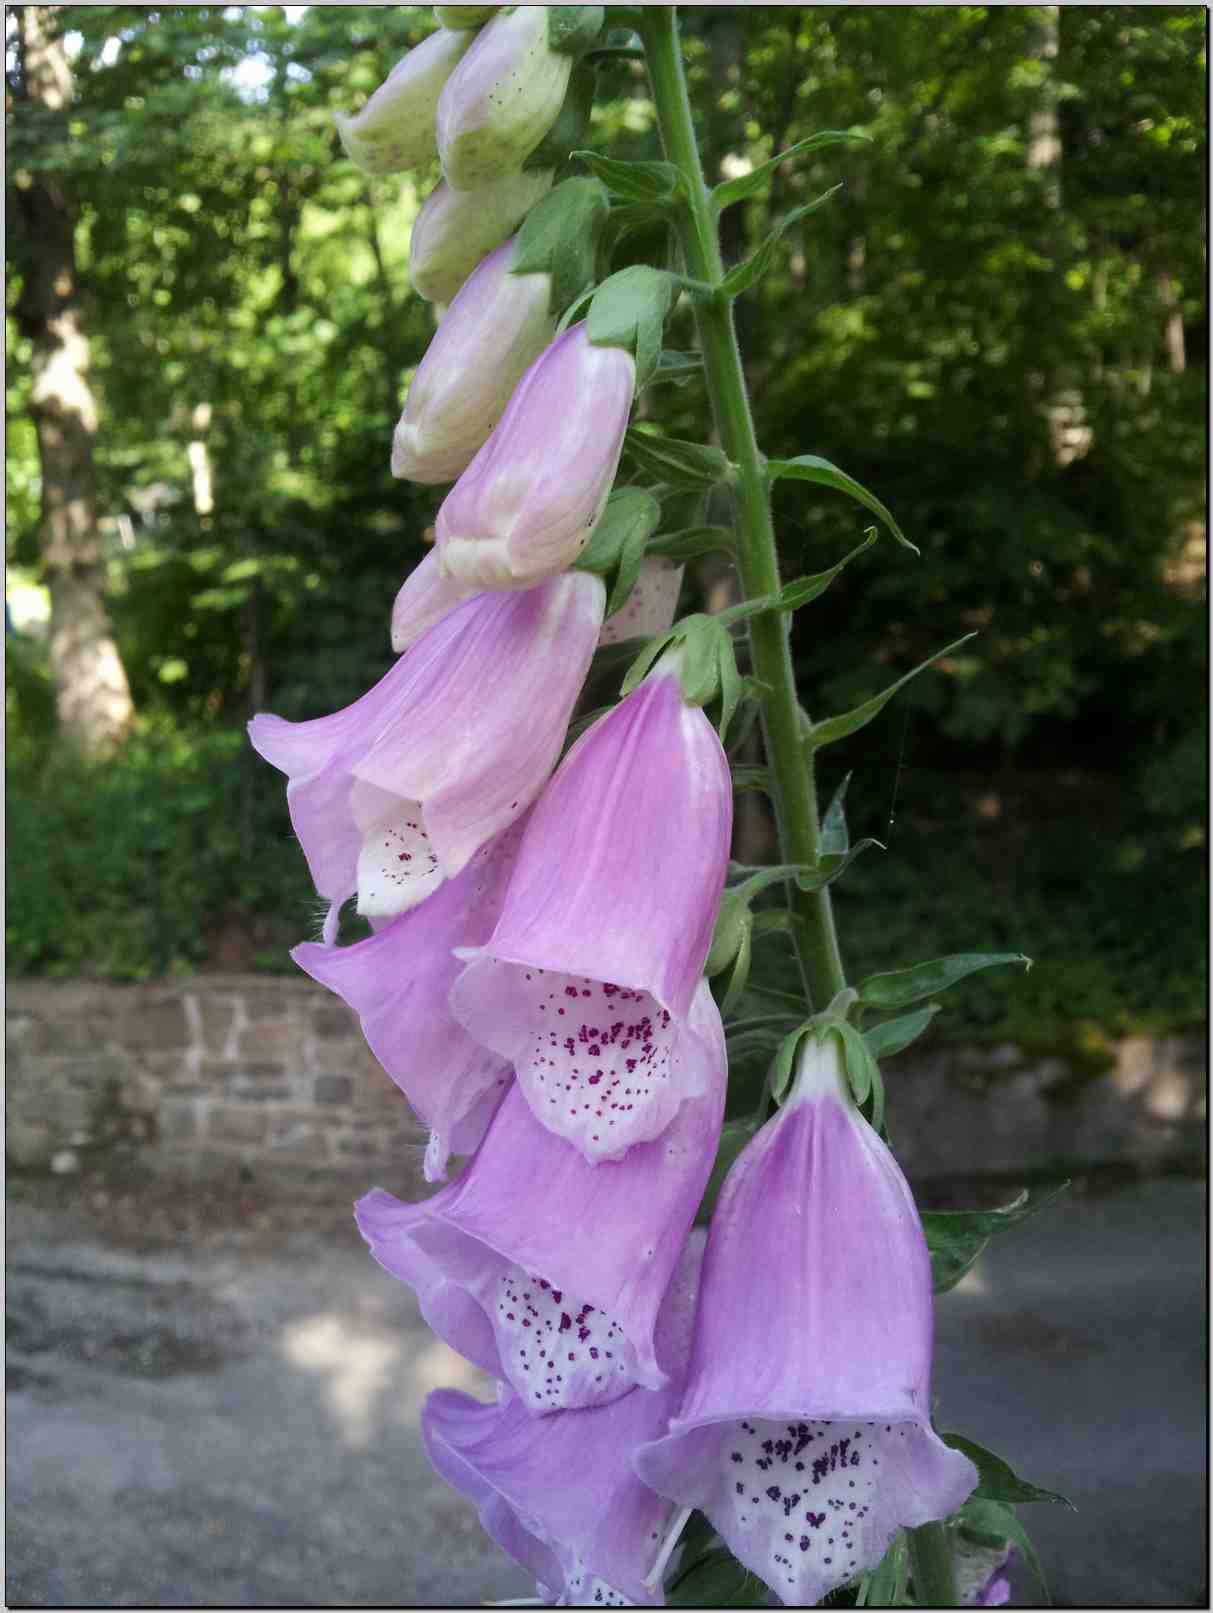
(793, 786)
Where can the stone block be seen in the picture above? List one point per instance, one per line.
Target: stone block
(216, 1022)
(330, 1019)
(154, 1023)
(271, 1002)
(275, 1039)
(243, 1124)
(178, 1119)
(333, 1089)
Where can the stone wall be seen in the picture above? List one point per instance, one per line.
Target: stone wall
(267, 1072)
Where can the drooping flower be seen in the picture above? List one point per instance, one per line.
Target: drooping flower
(805, 1430)
(395, 129)
(395, 793)
(526, 505)
(455, 229)
(559, 1493)
(397, 981)
(650, 606)
(587, 980)
(491, 116)
(496, 327)
(548, 1272)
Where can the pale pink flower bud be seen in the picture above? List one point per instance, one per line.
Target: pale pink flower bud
(497, 326)
(457, 228)
(395, 129)
(525, 507)
(504, 99)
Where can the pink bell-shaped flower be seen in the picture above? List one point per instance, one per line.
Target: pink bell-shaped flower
(587, 981)
(395, 129)
(456, 229)
(525, 507)
(458, 395)
(545, 1271)
(559, 1493)
(398, 980)
(491, 116)
(426, 595)
(805, 1431)
(395, 794)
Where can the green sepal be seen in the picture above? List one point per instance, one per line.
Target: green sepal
(559, 237)
(629, 310)
(997, 1481)
(892, 1035)
(736, 190)
(684, 464)
(831, 729)
(886, 1585)
(995, 1520)
(573, 29)
(739, 975)
(779, 1075)
(744, 275)
(617, 546)
(903, 986)
(955, 1238)
(717, 1579)
(692, 541)
(835, 837)
(573, 119)
(863, 1073)
(634, 181)
(810, 468)
(707, 666)
(803, 590)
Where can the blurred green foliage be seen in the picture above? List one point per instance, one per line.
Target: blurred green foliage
(1005, 340)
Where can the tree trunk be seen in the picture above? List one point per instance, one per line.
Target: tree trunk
(92, 696)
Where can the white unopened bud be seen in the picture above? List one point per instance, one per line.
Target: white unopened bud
(395, 129)
(457, 228)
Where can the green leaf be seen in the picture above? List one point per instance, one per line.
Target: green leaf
(746, 274)
(689, 542)
(996, 1519)
(572, 29)
(835, 838)
(718, 1580)
(903, 986)
(628, 310)
(891, 1035)
(834, 863)
(956, 1237)
(885, 1586)
(998, 1482)
(810, 468)
(559, 237)
(634, 181)
(678, 368)
(685, 464)
(834, 728)
(631, 515)
(804, 589)
(736, 190)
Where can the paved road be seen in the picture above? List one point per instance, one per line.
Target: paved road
(217, 1424)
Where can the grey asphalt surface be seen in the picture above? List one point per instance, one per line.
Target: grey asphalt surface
(221, 1409)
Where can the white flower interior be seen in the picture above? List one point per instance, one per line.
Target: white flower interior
(556, 1350)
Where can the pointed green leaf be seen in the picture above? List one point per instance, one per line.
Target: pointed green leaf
(891, 1035)
(835, 728)
(834, 836)
(741, 970)
(956, 1237)
(630, 514)
(809, 468)
(994, 1519)
(678, 368)
(628, 310)
(690, 542)
(634, 181)
(904, 986)
(736, 190)
(998, 1481)
(685, 464)
(795, 594)
(885, 1586)
(833, 864)
(746, 274)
